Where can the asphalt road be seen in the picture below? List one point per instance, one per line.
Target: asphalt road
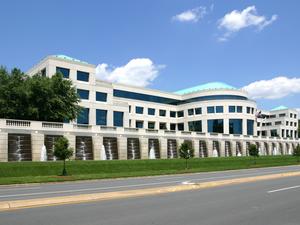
(275, 202)
(96, 186)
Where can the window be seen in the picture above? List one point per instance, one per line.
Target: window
(118, 119)
(291, 115)
(282, 115)
(139, 110)
(162, 112)
(162, 126)
(180, 114)
(239, 109)
(272, 116)
(210, 109)
(198, 111)
(250, 127)
(295, 116)
(278, 123)
(83, 76)
(172, 114)
(248, 110)
(219, 109)
(258, 124)
(274, 133)
(151, 125)
(252, 110)
(139, 124)
(83, 117)
(291, 124)
(295, 124)
(101, 97)
(180, 126)
(64, 71)
(101, 117)
(173, 126)
(287, 123)
(235, 126)
(43, 73)
(195, 126)
(190, 112)
(231, 109)
(215, 126)
(83, 94)
(151, 111)
(129, 109)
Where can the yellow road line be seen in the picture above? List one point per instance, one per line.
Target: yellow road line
(39, 202)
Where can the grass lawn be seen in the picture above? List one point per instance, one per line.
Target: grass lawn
(31, 172)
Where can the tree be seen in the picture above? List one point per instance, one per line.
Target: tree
(296, 153)
(186, 152)
(254, 152)
(63, 152)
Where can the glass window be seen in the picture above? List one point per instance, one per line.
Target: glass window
(162, 112)
(180, 126)
(190, 112)
(162, 126)
(129, 109)
(239, 109)
(248, 110)
(215, 126)
(173, 126)
(101, 117)
(83, 117)
(151, 111)
(118, 119)
(235, 126)
(180, 114)
(83, 76)
(43, 73)
(64, 71)
(139, 110)
(250, 127)
(151, 125)
(101, 97)
(83, 94)
(231, 109)
(139, 124)
(195, 126)
(274, 133)
(198, 111)
(219, 109)
(210, 109)
(172, 114)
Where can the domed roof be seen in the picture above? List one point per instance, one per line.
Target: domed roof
(207, 86)
(279, 108)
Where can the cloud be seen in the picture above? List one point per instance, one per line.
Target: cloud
(192, 15)
(275, 88)
(236, 20)
(137, 72)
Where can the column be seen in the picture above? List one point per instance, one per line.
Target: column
(122, 147)
(196, 146)
(97, 146)
(72, 143)
(37, 143)
(3, 147)
(209, 147)
(144, 148)
(244, 148)
(163, 147)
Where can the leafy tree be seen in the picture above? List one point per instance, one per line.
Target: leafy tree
(254, 152)
(296, 153)
(63, 152)
(298, 128)
(186, 152)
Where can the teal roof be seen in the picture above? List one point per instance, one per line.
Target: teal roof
(70, 58)
(279, 108)
(208, 86)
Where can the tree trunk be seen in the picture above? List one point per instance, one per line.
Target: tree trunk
(64, 172)
(186, 164)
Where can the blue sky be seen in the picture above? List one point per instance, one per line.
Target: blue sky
(175, 50)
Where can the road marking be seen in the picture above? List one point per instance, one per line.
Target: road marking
(136, 185)
(284, 189)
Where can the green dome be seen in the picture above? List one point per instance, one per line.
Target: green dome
(279, 108)
(208, 86)
(65, 57)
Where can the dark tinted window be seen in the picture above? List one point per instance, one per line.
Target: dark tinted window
(173, 126)
(239, 109)
(180, 126)
(139, 110)
(248, 110)
(235, 126)
(180, 114)
(151, 111)
(83, 94)
(231, 109)
(172, 114)
(190, 112)
(215, 126)
(162, 126)
(64, 71)
(101, 97)
(118, 119)
(139, 124)
(219, 109)
(151, 125)
(101, 117)
(83, 117)
(195, 126)
(210, 109)
(83, 76)
(162, 112)
(198, 111)
(250, 125)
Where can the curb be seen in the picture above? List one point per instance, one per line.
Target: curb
(40, 202)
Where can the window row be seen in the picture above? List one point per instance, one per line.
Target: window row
(81, 75)
(85, 94)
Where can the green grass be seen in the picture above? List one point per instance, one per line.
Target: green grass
(31, 172)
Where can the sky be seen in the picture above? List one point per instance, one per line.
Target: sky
(165, 44)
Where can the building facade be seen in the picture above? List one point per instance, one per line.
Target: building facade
(125, 122)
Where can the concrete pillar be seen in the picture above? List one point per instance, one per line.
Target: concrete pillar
(196, 146)
(37, 142)
(122, 147)
(97, 146)
(72, 143)
(3, 147)
(209, 147)
(144, 148)
(222, 148)
(244, 148)
(163, 147)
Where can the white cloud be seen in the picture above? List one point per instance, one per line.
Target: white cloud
(192, 15)
(236, 20)
(138, 72)
(275, 88)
